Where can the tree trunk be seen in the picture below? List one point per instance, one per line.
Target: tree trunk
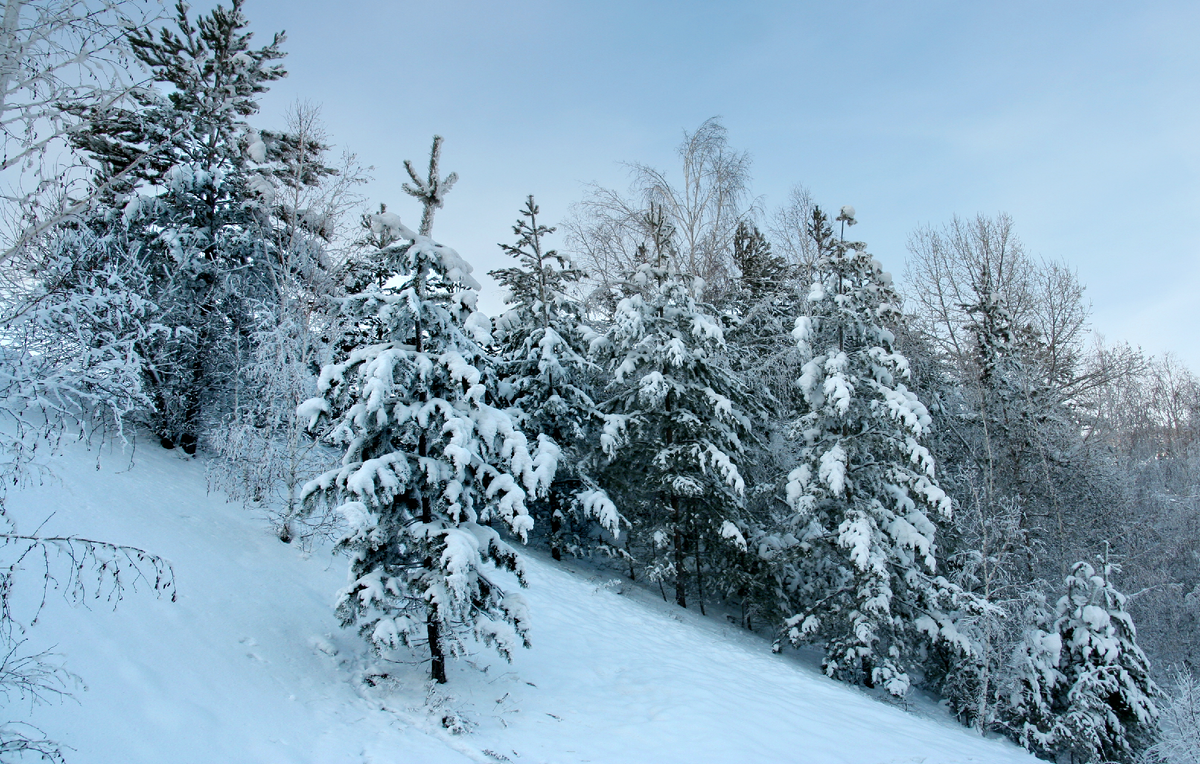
(680, 556)
(555, 531)
(438, 664)
(438, 658)
(190, 437)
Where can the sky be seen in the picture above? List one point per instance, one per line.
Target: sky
(1081, 120)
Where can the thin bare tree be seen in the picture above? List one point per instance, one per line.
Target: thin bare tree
(607, 232)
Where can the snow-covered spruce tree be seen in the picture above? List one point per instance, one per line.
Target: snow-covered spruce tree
(1094, 679)
(429, 460)
(760, 306)
(861, 577)
(1028, 710)
(193, 205)
(674, 417)
(547, 378)
(764, 299)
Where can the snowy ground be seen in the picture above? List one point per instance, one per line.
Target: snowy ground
(249, 665)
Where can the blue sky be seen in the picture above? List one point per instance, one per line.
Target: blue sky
(1079, 119)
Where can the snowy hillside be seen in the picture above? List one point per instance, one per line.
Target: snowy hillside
(249, 664)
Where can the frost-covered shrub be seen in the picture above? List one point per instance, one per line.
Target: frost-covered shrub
(1179, 723)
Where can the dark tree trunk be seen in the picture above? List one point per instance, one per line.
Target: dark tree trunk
(680, 554)
(438, 662)
(555, 530)
(191, 415)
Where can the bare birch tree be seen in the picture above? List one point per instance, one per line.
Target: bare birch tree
(788, 228)
(607, 231)
(267, 453)
(55, 54)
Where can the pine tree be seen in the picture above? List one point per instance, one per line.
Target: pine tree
(760, 272)
(429, 459)
(179, 179)
(862, 578)
(548, 378)
(675, 418)
(1030, 710)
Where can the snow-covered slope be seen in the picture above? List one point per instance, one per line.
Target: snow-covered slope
(249, 665)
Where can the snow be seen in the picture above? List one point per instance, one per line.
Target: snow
(730, 531)
(832, 471)
(596, 503)
(249, 665)
(479, 328)
(311, 410)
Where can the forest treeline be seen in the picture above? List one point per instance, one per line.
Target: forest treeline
(944, 481)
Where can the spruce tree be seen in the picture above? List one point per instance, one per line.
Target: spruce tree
(675, 416)
(761, 307)
(1095, 702)
(548, 378)
(430, 460)
(861, 576)
(760, 272)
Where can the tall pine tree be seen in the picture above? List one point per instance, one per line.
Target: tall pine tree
(548, 378)
(178, 169)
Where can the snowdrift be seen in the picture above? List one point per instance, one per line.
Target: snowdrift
(249, 664)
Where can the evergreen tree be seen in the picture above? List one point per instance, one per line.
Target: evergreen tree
(1036, 682)
(675, 418)
(179, 176)
(861, 575)
(429, 459)
(984, 554)
(1096, 701)
(760, 272)
(761, 308)
(547, 377)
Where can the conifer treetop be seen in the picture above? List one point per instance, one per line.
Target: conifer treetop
(431, 190)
